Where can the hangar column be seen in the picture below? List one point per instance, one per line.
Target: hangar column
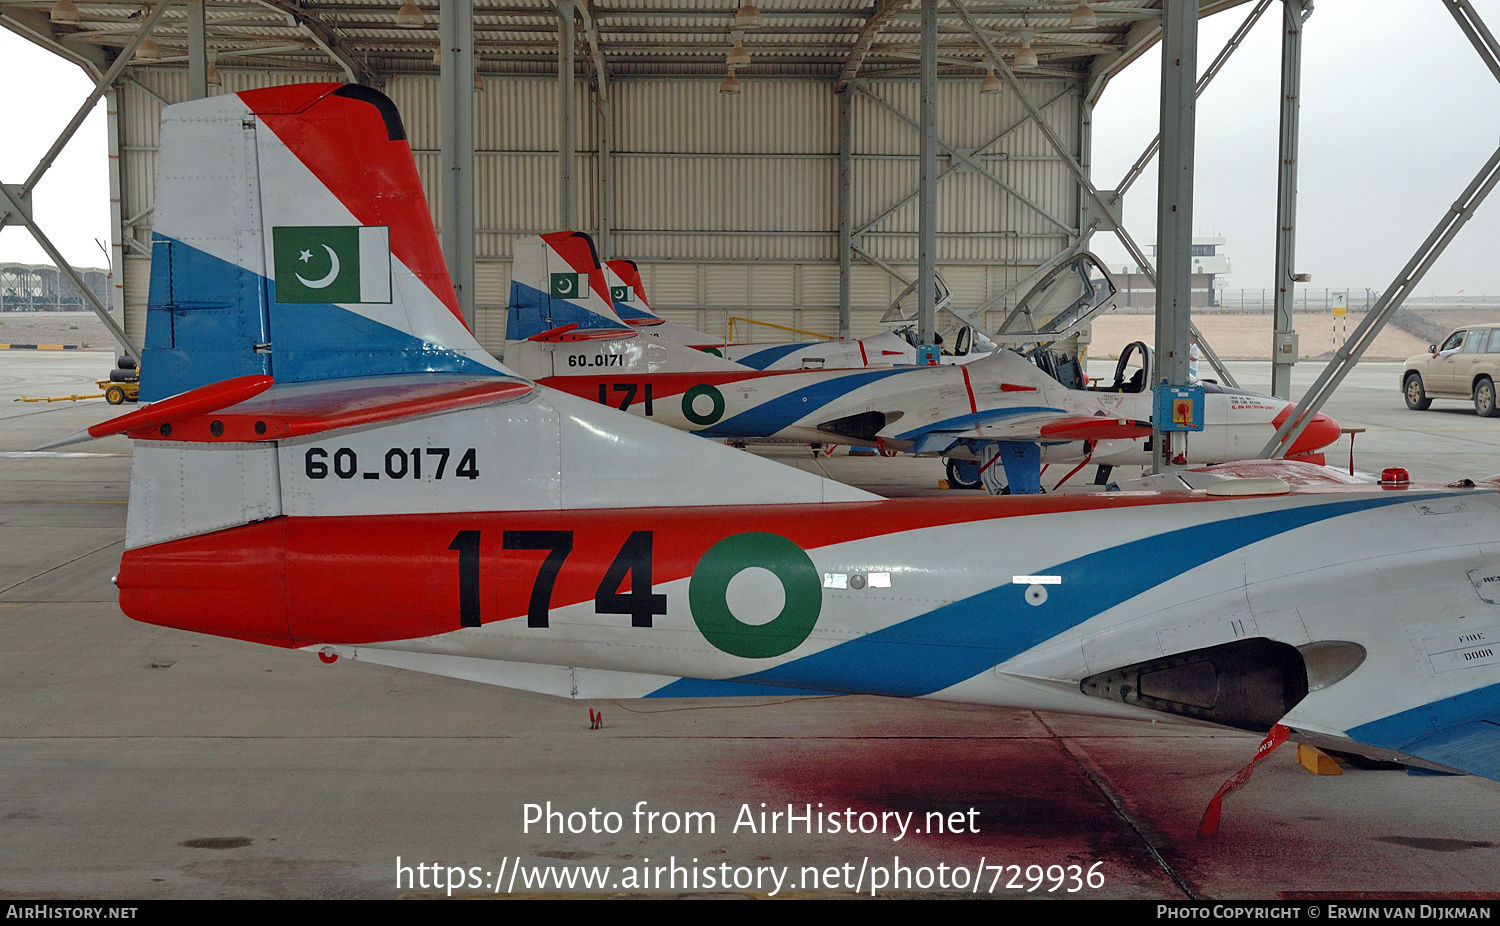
(1284, 343)
(927, 228)
(456, 86)
(568, 191)
(846, 206)
(197, 49)
(1174, 205)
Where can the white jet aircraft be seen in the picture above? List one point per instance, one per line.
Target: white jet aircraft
(356, 478)
(997, 420)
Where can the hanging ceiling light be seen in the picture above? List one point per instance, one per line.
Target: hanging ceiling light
(738, 57)
(747, 17)
(1026, 57)
(410, 16)
(437, 55)
(1083, 17)
(214, 80)
(65, 12)
(148, 50)
(991, 83)
(730, 84)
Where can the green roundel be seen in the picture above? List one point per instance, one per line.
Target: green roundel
(726, 559)
(713, 394)
(712, 350)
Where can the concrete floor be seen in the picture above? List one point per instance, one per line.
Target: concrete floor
(140, 762)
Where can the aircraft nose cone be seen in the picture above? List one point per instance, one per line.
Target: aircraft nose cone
(1319, 433)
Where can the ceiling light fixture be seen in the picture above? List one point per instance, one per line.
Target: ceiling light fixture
(410, 16)
(148, 50)
(1083, 17)
(1026, 57)
(991, 83)
(730, 84)
(737, 57)
(747, 17)
(214, 80)
(66, 13)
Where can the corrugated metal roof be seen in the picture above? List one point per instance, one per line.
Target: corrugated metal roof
(635, 37)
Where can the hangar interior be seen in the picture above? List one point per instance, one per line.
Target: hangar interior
(799, 167)
(733, 204)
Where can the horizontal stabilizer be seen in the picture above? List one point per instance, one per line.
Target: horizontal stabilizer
(565, 333)
(258, 411)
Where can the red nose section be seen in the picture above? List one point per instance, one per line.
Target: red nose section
(1319, 433)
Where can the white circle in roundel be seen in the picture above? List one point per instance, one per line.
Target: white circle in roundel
(755, 596)
(1036, 594)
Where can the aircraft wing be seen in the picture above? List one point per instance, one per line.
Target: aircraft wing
(1038, 426)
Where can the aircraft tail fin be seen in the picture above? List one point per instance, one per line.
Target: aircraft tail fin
(292, 239)
(556, 281)
(628, 295)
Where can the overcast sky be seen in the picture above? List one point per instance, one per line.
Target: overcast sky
(1397, 115)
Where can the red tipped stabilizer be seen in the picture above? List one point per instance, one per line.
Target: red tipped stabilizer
(571, 332)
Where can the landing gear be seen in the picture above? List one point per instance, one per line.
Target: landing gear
(964, 474)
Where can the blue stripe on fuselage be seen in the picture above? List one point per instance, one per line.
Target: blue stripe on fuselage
(957, 641)
(976, 420)
(764, 358)
(773, 415)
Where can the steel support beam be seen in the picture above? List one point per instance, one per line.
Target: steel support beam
(456, 91)
(957, 158)
(14, 203)
(104, 84)
(846, 208)
(1345, 358)
(38, 30)
(1101, 202)
(1174, 208)
(1222, 59)
(606, 180)
(927, 224)
(567, 119)
(116, 209)
(861, 47)
(1283, 341)
(197, 49)
(327, 40)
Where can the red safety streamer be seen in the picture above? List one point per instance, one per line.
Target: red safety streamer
(1208, 827)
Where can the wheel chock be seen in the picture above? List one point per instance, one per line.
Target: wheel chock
(1317, 761)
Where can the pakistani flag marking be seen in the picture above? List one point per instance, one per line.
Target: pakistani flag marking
(620, 293)
(332, 263)
(569, 285)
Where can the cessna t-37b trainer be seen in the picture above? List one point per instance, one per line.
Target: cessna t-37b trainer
(330, 462)
(1024, 411)
(628, 298)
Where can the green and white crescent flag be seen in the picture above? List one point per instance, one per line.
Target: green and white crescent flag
(569, 285)
(332, 263)
(621, 294)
